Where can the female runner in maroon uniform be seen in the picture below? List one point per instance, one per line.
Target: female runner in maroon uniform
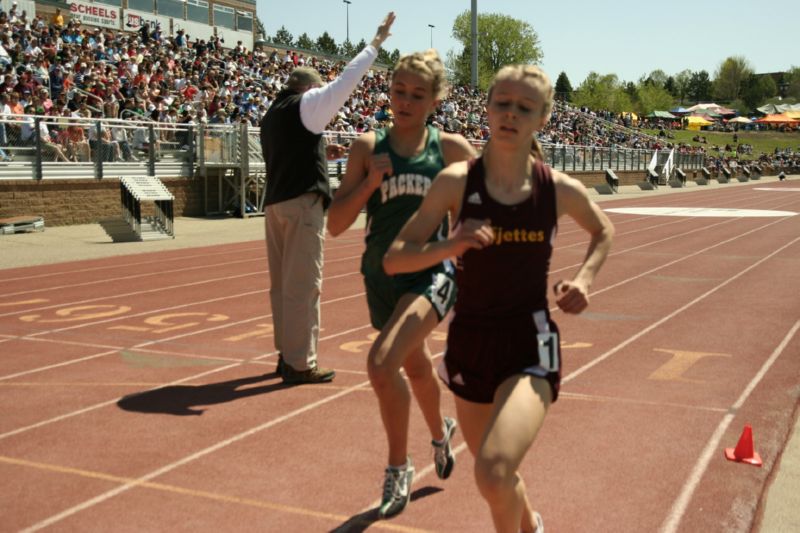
(503, 358)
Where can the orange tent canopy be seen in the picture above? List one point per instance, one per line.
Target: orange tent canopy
(778, 118)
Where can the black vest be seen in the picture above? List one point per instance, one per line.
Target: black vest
(295, 157)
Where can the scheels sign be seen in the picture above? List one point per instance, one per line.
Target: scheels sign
(95, 15)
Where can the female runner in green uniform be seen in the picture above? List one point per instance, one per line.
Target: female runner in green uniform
(390, 171)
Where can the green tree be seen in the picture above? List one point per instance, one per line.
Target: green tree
(602, 93)
(699, 89)
(347, 49)
(563, 88)
(792, 79)
(384, 57)
(631, 90)
(305, 42)
(284, 37)
(682, 79)
(260, 31)
(670, 86)
(756, 89)
(653, 98)
(502, 40)
(658, 78)
(729, 77)
(326, 44)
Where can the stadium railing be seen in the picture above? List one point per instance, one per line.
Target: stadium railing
(130, 146)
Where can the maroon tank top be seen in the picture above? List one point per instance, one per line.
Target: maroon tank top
(509, 277)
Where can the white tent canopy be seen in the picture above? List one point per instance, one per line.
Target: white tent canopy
(773, 109)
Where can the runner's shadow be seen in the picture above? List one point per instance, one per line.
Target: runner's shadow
(181, 400)
(360, 522)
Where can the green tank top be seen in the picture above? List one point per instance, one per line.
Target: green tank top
(399, 196)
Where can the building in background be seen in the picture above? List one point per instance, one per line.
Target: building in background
(230, 20)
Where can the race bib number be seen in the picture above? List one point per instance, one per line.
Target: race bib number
(548, 351)
(441, 292)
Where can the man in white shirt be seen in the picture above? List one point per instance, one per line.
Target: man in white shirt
(297, 194)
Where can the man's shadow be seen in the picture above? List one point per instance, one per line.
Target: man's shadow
(181, 399)
(361, 521)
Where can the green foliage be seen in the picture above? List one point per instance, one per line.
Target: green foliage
(682, 79)
(729, 77)
(762, 141)
(284, 37)
(347, 49)
(563, 88)
(757, 88)
(699, 89)
(502, 40)
(385, 57)
(388, 58)
(326, 44)
(670, 87)
(305, 42)
(603, 93)
(792, 79)
(657, 78)
(260, 31)
(653, 98)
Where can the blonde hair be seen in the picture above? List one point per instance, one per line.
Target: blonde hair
(540, 81)
(427, 64)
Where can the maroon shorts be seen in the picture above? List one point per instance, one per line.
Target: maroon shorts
(481, 355)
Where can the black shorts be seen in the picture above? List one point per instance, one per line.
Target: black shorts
(481, 355)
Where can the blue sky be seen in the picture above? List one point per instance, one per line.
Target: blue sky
(625, 37)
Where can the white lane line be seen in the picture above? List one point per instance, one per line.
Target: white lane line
(670, 316)
(193, 377)
(158, 341)
(700, 212)
(63, 515)
(678, 509)
(164, 288)
(188, 459)
(152, 272)
(151, 263)
(648, 228)
(356, 257)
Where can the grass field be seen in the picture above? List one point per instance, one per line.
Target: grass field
(762, 141)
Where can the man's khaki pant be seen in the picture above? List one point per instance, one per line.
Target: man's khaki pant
(295, 234)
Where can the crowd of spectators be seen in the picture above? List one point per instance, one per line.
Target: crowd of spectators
(62, 69)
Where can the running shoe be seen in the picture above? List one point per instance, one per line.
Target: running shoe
(442, 453)
(396, 490)
(539, 523)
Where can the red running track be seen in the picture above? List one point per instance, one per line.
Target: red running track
(138, 393)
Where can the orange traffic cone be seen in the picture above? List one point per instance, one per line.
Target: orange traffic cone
(744, 452)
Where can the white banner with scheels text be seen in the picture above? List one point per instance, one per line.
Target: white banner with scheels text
(95, 14)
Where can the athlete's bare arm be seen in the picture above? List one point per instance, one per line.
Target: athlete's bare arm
(572, 296)
(360, 179)
(411, 253)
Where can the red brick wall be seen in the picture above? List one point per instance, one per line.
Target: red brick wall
(67, 202)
